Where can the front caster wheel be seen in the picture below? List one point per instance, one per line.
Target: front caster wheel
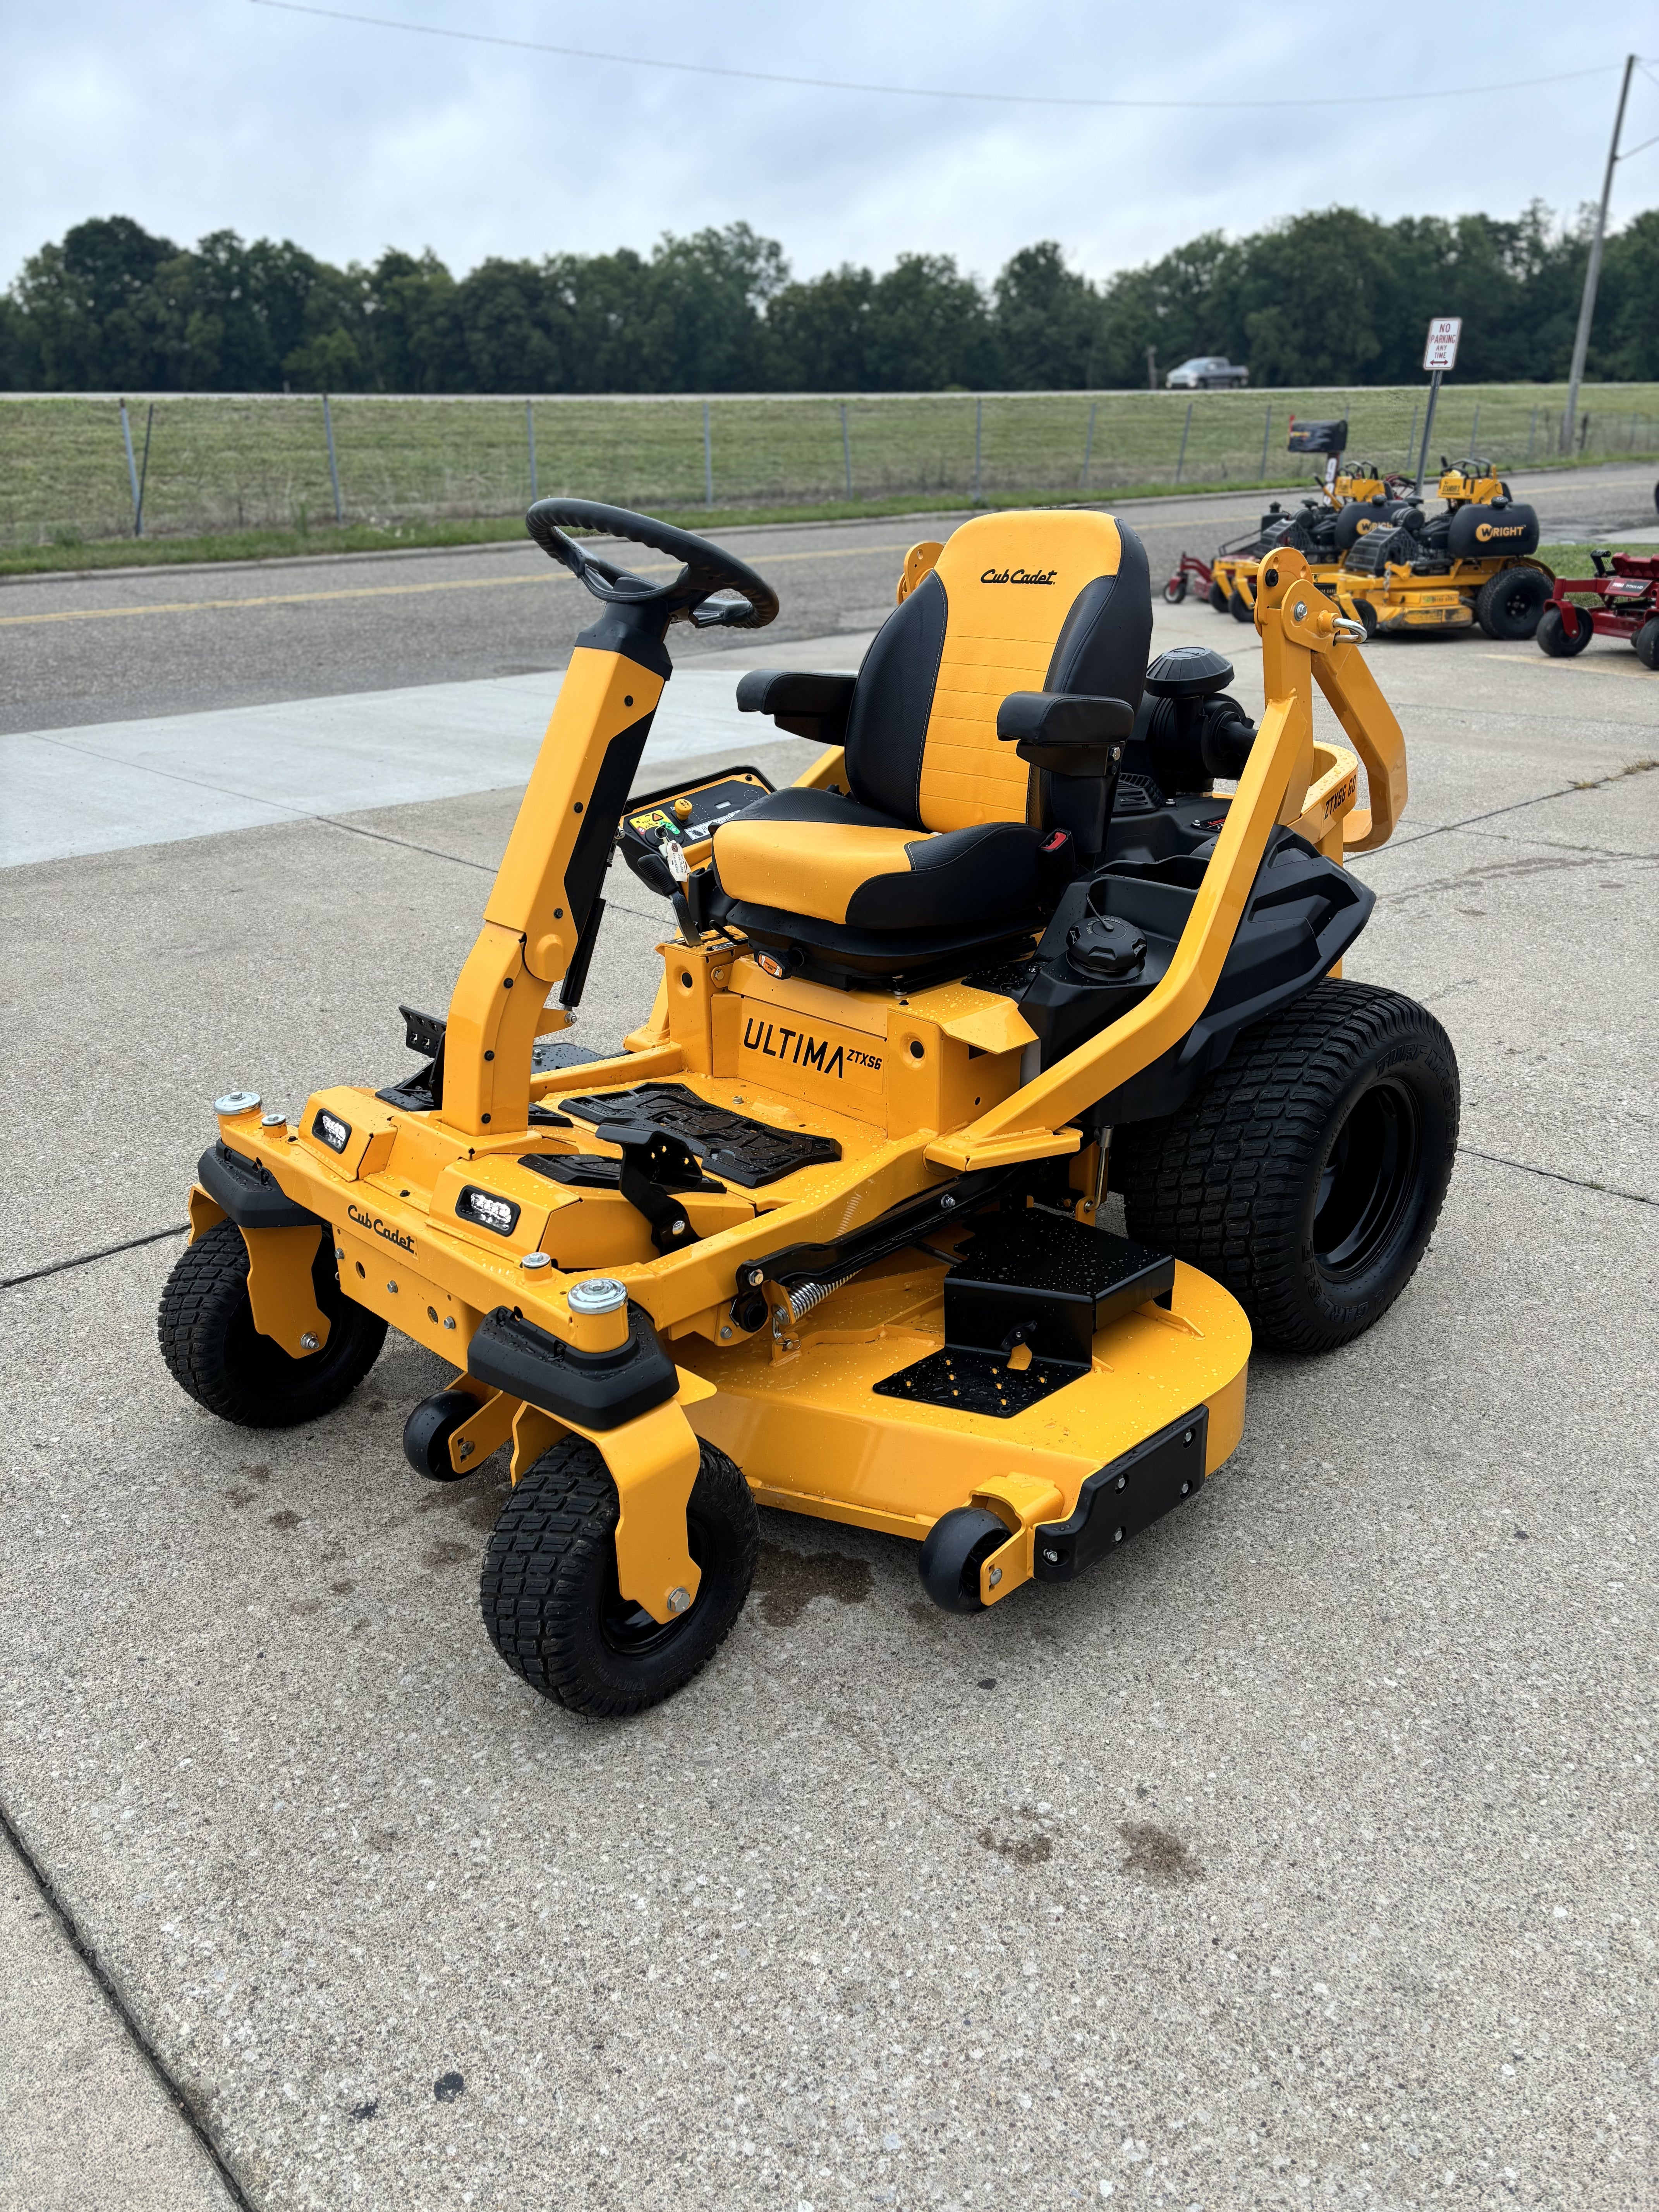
(550, 1598)
(430, 1430)
(1309, 1173)
(953, 1551)
(214, 1351)
(1550, 635)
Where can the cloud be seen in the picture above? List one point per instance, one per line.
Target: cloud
(205, 114)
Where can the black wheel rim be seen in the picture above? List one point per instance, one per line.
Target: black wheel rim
(1368, 1186)
(628, 1629)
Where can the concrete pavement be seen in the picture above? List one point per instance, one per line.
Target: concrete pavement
(1305, 1856)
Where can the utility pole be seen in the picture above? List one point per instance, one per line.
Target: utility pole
(1586, 309)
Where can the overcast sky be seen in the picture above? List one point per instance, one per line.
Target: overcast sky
(194, 115)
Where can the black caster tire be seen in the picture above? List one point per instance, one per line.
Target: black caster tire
(1370, 620)
(213, 1351)
(953, 1551)
(1238, 610)
(549, 1595)
(1507, 606)
(1646, 641)
(1218, 600)
(1309, 1174)
(1175, 591)
(1550, 635)
(427, 1432)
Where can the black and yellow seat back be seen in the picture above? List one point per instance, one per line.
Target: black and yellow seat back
(937, 841)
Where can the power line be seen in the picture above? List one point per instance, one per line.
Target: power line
(909, 91)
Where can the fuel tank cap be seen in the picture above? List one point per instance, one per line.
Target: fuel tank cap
(1189, 671)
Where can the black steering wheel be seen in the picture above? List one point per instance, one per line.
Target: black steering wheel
(696, 594)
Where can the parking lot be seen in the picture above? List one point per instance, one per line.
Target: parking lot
(1306, 1853)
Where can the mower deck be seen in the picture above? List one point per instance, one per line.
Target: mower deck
(862, 1409)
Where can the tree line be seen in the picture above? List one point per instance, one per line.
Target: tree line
(1330, 297)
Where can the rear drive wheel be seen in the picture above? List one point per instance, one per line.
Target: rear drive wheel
(953, 1551)
(214, 1351)
(1552, 637)
(1646, 641)
(1507, 606)
(1309, 1174)
(1218, 600)
(550, 1593)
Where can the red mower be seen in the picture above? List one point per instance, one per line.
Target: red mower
(1175, 590)
(1620, 601)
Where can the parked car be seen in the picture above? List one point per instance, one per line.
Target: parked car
(1207, 372)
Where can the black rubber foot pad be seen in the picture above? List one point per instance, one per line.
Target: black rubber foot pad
(587, 1170)
(978, 1382)
(729, 1145)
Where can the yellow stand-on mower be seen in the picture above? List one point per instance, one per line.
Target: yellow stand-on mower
(826, 1234)
(1347, 504)
(1473, 563)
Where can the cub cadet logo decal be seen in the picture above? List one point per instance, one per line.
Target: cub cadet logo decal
(1018, 576)
(373, 1221)
(1486, 530)
(816, 1054)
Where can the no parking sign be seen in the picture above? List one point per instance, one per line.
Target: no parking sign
(1441, 351)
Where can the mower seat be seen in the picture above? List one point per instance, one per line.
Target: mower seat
(936, 849)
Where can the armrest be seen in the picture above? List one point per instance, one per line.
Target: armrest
(1060, 729)
(807, 706)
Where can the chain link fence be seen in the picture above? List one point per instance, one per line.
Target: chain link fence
(72, 468)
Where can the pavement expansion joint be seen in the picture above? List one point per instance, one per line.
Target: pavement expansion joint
(85, 1259)
(1517, 806)
(1556, 1174)
(177, 2095)
(407, 844)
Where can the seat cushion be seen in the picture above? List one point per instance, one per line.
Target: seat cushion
(816, 854)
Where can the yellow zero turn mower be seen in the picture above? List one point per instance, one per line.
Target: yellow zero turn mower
(826, 1234)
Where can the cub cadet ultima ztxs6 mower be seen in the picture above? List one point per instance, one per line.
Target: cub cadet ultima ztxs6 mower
(1471, 563)
(825, 1235)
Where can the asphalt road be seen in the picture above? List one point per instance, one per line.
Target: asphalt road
(114, 647)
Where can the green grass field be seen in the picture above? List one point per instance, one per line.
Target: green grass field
(252, 473)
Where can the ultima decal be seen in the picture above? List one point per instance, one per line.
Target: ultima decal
(1019, 576)
(816, 1053)
(373, 1221)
